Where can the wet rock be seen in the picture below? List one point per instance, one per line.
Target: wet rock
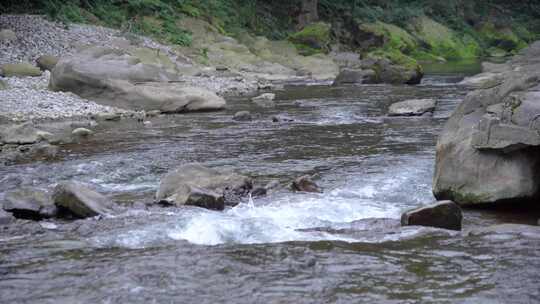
(483, 81)
(388, 72)
(29, 203)
(355, 76)
(242, 116)
(108, 116)
(519, 229)
(76, 199)
(176, 186)
(305, 184)
(7, 35)
(281, 118)
(205, 198)
(6, 218)
(444, 214)
(82, 132)
(265, 100)
(413, 107)
(19, 70)
(488, 149)
(135, 80)
(47, 62)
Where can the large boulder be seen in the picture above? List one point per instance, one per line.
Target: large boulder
(29, 203)
(412, 107)
(47, 62)
(355, 76)
(445, 214)
(77, 200)
(194, 184)
(400, 70)
(129, 79)
(489, 150)
(312, 39)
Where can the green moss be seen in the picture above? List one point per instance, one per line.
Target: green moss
(464, 198)
(396, 57)
(501, 38)
(313, 39)
(425, 56)
(393, 37)
(444, 42)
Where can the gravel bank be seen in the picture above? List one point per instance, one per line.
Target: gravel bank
(29, 99)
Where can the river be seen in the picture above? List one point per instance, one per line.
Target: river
(284, 248)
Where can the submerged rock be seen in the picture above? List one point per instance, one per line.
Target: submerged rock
(305, 184)
(355, 76)
(177, 186)
(265, 100)
(135, 80)
(242, 116)
(413, 107)
(76, 199)
(29, 203)
(488, 150)
(205, 198)
(445, 214)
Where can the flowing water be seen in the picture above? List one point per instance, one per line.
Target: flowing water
(286, 247)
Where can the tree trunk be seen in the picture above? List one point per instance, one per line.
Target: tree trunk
(308, 13)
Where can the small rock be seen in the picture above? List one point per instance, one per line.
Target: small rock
(19, 70)
(7, 35)
(82, 132)
(265, 100)
(108, 116)
(305, 184)
(413, 107)
(74, 198)
(47, 62)
(281, 118)
(242, 116)
(5, 217)
(443, 214)
(3, 85)
(153, 113)
(29, 203)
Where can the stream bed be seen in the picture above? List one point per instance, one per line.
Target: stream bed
(286, 247)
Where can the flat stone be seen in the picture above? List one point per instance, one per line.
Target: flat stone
(78, 200)
(29, 203)
(82, 132)
(413, 107)
(19, 70)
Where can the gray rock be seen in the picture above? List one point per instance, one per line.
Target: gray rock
(176, 186)
(506, 229)
(47, 62)
(29, 203)
(444, 214)
(488, 149)
(483, 81)
(7, 35)
(205, 198)
(131, 81)
(305, 184)
(6, 218)
(281, 118)
(19, 70)
(355, 76)
(413, 107)
(242, 116)
(387, 72)
(265, 100)
(82, 132)
(75, 199)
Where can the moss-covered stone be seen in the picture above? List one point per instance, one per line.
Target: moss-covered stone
(392, 66)
(441, 41)
(392, 37)
(313, 39)
(19, 70)
(501, 38)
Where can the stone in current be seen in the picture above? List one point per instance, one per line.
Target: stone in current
(444, 214)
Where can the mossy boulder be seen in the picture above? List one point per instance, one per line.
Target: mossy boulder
(392, 66)
(441, 41)
(313, 39)
(501, 38)
(384, 35)
(3, 85)
(19, 70)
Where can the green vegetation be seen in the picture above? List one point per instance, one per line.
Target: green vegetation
(399, 30)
